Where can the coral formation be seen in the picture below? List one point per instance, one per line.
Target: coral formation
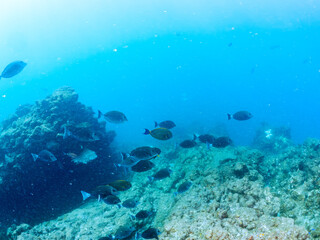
(32, 191)
(236, 193)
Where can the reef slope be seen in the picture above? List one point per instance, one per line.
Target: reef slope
(237, 193)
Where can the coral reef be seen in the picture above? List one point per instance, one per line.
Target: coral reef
(237, 193)
(33, 191)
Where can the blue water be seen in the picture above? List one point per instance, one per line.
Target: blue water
(170, 60)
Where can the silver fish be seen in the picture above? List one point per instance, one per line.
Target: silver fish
(44, 156)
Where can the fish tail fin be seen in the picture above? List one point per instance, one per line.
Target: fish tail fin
(194, 137)
(146, 132)
(85, 195)
(132, 217)
(34, 156)
(66, 133)
(150, 178)
(229, 116)
(156, 124)
(99, 114)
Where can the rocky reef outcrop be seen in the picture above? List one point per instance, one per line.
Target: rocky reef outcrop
(272, 139)
(237, 193)
(33, 191)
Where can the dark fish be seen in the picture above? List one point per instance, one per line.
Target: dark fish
(183, 187)
(114, 116)
(151, 233)
(141, 215)
(44, 156)
(142, 166)
(120, 185)
(112, 200)
(240, 116)
(104, 191)
(165, 124)
(130, 203)
(145, 153)
(159, 133)
(123, 232)
(100, 192)
(206, 138)
(13, 69)
(222, 142)
(189, 143)
(91, 137)
(161, 174)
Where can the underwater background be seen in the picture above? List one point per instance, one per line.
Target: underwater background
(170, 59)
(192, 62)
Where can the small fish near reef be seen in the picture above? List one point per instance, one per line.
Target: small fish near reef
(44, 156)
(104, 191)
(240, 116)
(130, 203)
(159, 133)
(183, 187)
(143, 166)
(113, 117)
(123, 232)
(145, 153)
(150, 233)
(165, 124)
(189, 143)
(222, 142)
(206, 138)
(121, 185)
(141, 215)
(161, 174)
(112, 200)
(100, 192)
(91, 137)
(13, 69)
